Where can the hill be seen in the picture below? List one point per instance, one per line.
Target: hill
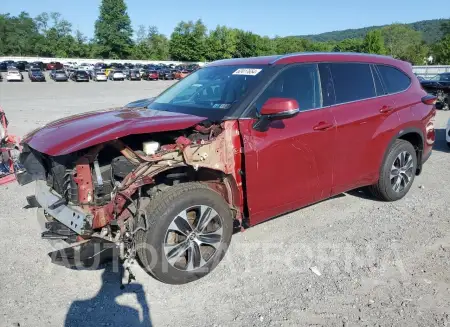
(430, 30)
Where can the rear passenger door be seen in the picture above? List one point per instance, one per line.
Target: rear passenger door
(360, 108)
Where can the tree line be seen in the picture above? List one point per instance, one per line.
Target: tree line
(50, 35)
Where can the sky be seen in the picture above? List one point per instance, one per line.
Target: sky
(264, 17)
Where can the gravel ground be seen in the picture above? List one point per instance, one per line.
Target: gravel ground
(381, 264)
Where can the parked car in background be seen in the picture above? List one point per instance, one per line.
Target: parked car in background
(36, 75)
(36, 64)
(21, 65)
(99, 76)
(439, 86)
(79, 76)
(180, 74)
(59, 75)
(166, 73)
(54, 65)
(150, 75)
(14, 75)
(116, 75)
(3, 66)
(133, 75)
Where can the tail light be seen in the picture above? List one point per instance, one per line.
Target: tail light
(429, 99)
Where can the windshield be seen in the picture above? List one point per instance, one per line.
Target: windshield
(215, 88)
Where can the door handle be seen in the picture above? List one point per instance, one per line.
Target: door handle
(322, 126)
(386, 109)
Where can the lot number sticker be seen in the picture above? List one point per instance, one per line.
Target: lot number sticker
(247, 71)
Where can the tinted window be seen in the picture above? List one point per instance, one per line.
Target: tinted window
(444, 77)
(352, 82)
(326, 81)
(394, 80)
(378, 84)
(300, 82)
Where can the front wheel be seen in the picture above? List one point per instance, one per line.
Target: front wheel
(189, 230)
(397, 172)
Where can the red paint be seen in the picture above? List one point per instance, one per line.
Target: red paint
(294, 162)
(278, 105)
(83, 178)
(82, 131)
(289, 165)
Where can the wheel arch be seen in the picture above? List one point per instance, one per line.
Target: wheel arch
(414, 136)
(218, 181)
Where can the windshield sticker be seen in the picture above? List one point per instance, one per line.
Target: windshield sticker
(222, 106)
(247, 71)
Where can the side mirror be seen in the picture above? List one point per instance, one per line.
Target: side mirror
(276, 109)
(279, 108)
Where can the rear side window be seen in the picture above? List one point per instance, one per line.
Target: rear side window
(394, 80)
(352, 82)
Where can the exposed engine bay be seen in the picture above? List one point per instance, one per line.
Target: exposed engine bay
(100, 192)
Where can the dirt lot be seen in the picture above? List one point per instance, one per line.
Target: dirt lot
(381, 264)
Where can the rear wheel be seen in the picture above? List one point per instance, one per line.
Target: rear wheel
(190, 228)
(397, 173)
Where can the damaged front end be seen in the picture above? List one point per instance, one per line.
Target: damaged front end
(94, 199)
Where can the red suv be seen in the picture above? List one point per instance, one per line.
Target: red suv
(54, 65)
(233, 144)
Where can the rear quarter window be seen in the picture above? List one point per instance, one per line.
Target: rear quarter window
(394, 80)
(352, 82)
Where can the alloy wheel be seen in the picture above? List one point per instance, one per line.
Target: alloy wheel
(402, 171)
(193, 237)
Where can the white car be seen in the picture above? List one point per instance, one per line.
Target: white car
(100, 76)
(447, 133)
(14, 75)
(117, 75)
(86, 67)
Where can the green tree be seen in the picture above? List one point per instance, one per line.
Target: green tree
(400, 40)
(18, 35)
(374, 43)
(247, 44)
(113, 32)
(441, 51)
(188, 41)
(289, 44)
(349, 45)
(158, 44)
(221, 43)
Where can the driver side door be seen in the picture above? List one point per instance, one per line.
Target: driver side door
(289, 165)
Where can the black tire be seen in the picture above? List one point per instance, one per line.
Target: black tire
(383, 190)
(448, 144)
(161, 211)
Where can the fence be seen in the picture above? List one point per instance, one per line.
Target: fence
(430, 71)
(93, 61)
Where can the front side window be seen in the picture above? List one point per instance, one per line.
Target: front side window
(299, 82)
(394, 80)
(352, 82)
